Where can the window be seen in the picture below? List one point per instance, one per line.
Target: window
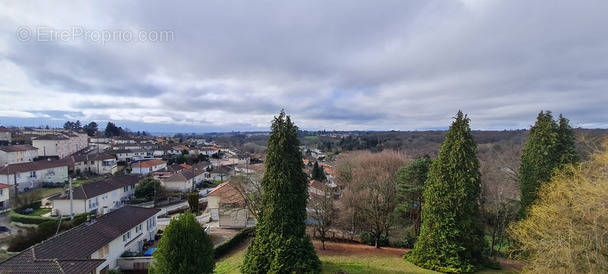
(151, 223)
(126, 236)
(139, 228)
(1, 192)
(32, 174)
(132, 186)
(126, 188)
(93, 203)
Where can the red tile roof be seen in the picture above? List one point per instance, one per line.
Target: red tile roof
(153, 162)
(228, 194)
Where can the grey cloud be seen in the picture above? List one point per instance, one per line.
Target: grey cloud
(395, 65)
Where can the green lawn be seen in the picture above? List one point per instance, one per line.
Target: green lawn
(348, 263)
(331, 264)
(40, 211)
(311, 137)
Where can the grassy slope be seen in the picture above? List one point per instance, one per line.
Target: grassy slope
(348, 263)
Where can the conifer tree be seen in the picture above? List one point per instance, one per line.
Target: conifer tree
(280, 244)
(410, 187)
(452, 235)
(566, 147)
(549, 145)
(184, 248)
(318, 173)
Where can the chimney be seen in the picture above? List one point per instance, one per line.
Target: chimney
(90, 220)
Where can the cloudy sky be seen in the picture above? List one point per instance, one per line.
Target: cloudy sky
(344, 65)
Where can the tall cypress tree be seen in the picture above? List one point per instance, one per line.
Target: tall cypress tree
(451, 238)
(566, 147)
(280, 244)
(549, 145)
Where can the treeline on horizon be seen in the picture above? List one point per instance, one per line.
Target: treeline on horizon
(418, 143)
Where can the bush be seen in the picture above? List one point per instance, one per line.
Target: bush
(137, 201)
(25, 219)
(34, 205)
(367, 238)
(193, 202)
(238, 238)
(407, 240)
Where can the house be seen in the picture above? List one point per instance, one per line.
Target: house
(92, 247)
(95, 163)
(94, 197)
(99, 140)
(227, 205)
(4, 196)
(17, 154)
(209, 151)
(249, 169)
(220, 173)
(146, 167)
(5, 134)
(319, 188)
(60, 145)
(141, 154)
(122, 140)
(126, 146)
(32, 174)
(122, 155)
(182, 181)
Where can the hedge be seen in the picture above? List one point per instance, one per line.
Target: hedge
(225, 247)
(35, 205)
(26, 219)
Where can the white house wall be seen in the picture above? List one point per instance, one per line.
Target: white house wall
(24, 179)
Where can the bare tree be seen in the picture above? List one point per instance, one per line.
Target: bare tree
(323, 212)
(372, 188)
(249, 189)
(499, 190)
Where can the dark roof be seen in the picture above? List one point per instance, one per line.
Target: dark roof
(16, 148)
(222, 169)
(26, 262)
(69, 252)
(180, 177)
(52, 137)
(118, 151)
(93, 189)
(87, 157)
(4, 129)
(30, 166)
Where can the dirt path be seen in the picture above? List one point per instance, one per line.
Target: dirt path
(332, 248)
